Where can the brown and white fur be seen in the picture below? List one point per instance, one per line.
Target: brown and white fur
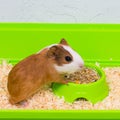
(33, 72)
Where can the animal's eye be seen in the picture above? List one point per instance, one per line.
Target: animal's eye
(68, 58)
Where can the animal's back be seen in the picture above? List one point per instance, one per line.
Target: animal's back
(22, 79)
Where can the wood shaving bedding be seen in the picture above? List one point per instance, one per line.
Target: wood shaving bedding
(45, 99)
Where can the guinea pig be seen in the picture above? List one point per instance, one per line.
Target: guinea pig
(33, 72)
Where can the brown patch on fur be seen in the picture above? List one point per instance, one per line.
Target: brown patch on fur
(30, 74)
(59, 53)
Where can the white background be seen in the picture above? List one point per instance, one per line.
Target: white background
(60, 11)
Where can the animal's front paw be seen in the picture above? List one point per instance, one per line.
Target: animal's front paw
(65, 82)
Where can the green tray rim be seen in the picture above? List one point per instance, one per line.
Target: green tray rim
(60, 114)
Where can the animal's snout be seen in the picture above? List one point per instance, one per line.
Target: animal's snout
(81, 65)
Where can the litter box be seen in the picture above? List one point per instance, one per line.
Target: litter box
(96, 43)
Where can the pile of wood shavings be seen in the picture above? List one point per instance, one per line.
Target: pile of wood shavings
(84, 76)
(45, 99)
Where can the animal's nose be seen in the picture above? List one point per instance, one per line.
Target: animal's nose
(81, 66)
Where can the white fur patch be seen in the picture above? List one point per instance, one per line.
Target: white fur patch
(74, 65)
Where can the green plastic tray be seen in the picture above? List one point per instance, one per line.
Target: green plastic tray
(94, 42)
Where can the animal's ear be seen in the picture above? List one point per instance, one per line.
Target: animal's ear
(63, 42)
(52, 52)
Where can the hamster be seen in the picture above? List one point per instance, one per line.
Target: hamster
(33, 72)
